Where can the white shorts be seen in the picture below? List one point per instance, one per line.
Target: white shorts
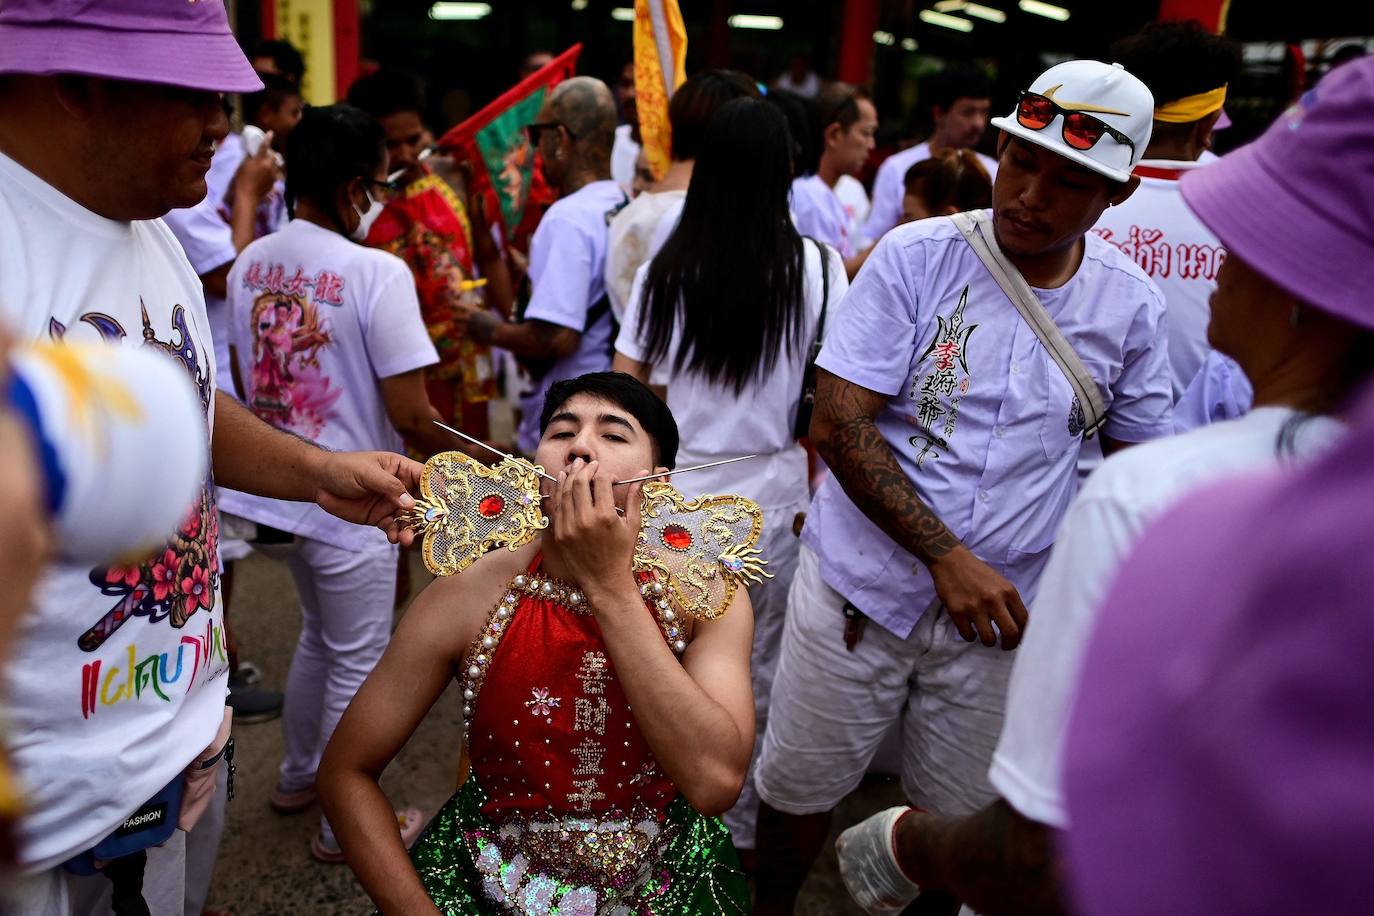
(832, 707)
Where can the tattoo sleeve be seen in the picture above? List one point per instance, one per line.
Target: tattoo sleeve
(535, 338)
(996, 861)
(866, 467)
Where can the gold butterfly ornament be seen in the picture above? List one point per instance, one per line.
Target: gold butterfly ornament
(701, 550)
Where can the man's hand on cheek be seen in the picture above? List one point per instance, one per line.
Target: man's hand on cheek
(595, 538)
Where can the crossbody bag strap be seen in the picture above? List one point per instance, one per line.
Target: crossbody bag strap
(977, 231)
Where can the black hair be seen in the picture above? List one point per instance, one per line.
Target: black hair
(624, 391)
(275, 90)
(330, 147)
(386, 93)
(803, 126)
(1178, 59)
(284, 54)
(838, 104)
(697, 100)
(957, 81)
(729, 278)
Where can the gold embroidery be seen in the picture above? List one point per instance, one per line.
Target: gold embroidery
(466, 508)
(699, 550)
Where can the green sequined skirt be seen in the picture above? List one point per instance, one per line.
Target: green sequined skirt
(626, 866)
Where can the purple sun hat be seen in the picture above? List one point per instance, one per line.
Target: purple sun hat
(184, 43)
(1297, 205)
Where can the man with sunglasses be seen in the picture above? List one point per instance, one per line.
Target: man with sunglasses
(953, 436)
(567, 328)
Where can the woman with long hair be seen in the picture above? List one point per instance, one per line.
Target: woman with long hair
(724, 318)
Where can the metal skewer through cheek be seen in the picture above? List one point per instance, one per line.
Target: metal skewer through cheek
(496, 451)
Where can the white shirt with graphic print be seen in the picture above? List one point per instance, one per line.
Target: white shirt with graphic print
(1156, 230)
(117, 677)
(316, 320)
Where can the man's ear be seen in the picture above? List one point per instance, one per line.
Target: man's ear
(1123, 190)
(832, 132)
(355, 192)
(1202, 130)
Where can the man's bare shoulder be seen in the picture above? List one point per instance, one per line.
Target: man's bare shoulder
(453, 609)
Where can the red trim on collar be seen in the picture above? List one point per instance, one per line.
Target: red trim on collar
(1154, 171)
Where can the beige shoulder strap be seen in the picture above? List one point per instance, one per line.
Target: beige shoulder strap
(977, 230)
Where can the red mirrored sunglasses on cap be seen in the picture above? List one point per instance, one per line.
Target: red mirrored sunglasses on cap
(1081, 130)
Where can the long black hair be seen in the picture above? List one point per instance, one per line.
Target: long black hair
(331, 146)
(730, 276)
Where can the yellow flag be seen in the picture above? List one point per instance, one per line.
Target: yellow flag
(660, 67)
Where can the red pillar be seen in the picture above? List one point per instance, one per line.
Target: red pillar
(856, 41)
(345, 45)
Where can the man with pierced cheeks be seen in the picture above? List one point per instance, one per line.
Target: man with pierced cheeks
(603, 722)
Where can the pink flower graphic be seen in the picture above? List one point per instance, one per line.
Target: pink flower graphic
(196, 588)
(191, 527)
(542, 704)
(165, 576)
(128, 575)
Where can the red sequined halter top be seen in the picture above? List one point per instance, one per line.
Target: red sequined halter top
(549, 729)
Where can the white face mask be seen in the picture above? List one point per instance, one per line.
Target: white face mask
(366, 217)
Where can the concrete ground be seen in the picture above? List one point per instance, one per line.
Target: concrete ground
(265, 868)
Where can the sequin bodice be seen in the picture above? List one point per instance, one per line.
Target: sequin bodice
(550, 731)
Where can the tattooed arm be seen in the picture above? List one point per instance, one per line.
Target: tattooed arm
(524, 338)
(996, 861)
(845, 431)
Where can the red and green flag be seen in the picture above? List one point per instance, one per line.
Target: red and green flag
(494, 142)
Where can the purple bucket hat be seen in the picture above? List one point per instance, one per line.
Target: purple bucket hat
(1297, 205)
(185, 43)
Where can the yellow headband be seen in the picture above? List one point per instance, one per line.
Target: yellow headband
(1192, 107)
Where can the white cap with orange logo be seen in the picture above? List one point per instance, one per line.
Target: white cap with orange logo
(1097, 115)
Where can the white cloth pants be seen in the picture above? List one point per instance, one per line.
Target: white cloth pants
(831, 707)
(176, 879)
(347, 598)
(59, 893)
(780, 548)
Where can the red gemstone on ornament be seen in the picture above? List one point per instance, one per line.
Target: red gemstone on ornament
(677, 537)
(491, 506)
